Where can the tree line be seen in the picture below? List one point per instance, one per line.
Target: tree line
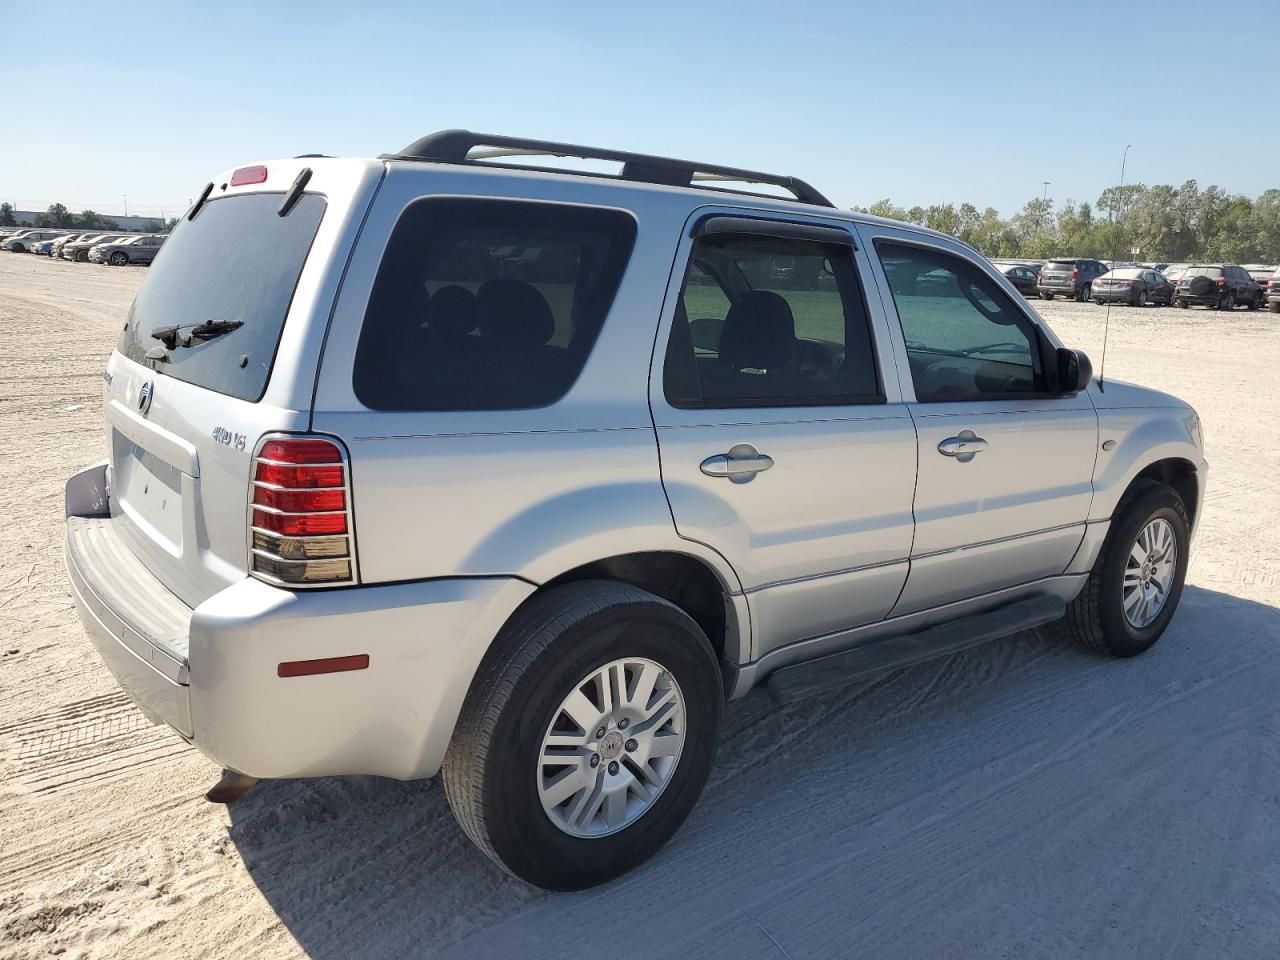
(58, 216)
(1133, 222)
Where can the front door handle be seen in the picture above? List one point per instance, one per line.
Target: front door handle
(964, 446)
(739, 465)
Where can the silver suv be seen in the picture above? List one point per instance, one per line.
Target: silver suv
(435, 464)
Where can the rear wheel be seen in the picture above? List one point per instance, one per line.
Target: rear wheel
(1046, 296)
(587, 736)
(1183, 304)
(1136, 582)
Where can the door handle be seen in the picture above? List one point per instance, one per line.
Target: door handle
(739, 465)
(964, 446)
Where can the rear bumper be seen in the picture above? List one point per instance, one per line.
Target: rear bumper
(1063, 290)
(395, 718)
(1207, 300)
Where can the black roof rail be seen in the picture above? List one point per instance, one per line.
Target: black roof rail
(457, 146)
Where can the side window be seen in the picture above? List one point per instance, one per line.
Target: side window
(965, 339)
(770, 321)
(488, 304)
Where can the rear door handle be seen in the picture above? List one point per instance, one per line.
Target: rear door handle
(964, 446)
(739, 465)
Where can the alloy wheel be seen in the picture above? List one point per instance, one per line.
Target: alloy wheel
(611, 748)
(1148, 573)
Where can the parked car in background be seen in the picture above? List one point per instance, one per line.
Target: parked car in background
(1068, 277)
(21, 241)
(1273, 292)
(1261, 273)
(1221, 286)
(56, 250)
(42, 247)
(1022, 277)
(79, 250)
(587, 609)
(1135, 286)
(1173, 271)
(134, 250)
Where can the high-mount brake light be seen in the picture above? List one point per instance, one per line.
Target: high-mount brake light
(247, 175)
(300, 513)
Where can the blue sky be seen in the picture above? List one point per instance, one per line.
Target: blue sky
(920, 102)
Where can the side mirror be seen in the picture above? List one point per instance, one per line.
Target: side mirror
(1074, 370)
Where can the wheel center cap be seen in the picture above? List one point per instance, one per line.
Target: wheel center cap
(611, 745)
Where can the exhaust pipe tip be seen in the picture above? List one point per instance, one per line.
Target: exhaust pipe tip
(230, 788)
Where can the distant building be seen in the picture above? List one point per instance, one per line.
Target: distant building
(28, 218)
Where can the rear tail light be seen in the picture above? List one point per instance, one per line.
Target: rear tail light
(1222, 281)
(1126, 283)
(1075, 274)
(300, 513)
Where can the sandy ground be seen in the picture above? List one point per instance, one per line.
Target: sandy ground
(1018, 800)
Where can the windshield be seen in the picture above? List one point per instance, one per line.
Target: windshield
(236, 262)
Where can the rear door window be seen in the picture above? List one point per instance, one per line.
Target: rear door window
(770, 321)
(237, 261)
(488, 304)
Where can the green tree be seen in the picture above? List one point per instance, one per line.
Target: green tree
(7, 219)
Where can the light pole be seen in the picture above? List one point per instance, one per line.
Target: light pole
(126, 205)
(1045, 197)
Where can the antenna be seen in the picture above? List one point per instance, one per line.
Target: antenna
(1115, 258)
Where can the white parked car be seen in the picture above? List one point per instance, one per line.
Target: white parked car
(433, 464)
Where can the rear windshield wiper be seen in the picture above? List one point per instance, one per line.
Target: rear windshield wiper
(174, 337)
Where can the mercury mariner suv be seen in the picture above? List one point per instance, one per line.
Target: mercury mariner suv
(445, 462)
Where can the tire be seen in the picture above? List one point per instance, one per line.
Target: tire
(1183, 305)
(1046, 296)
(118, 259)
(1144, 300)
(1096, 618)
(82, 256)
(1274, 306)
(557, 640)
(1228, 302)
(1254, 304)
(18, 248)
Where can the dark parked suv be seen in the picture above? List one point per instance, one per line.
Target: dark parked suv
(1218, 285)
(1069, 277)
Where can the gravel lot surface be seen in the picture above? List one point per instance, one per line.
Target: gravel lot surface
(1018, 800)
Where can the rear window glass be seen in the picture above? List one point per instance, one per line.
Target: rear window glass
(236, 261)
(1213, 272)
(488, 304)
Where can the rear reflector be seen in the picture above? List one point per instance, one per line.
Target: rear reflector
(309, 668)
(300, 513)
(254, 174)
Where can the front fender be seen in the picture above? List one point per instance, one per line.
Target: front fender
(1141, 437)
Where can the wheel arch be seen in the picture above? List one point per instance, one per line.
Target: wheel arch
(684, 579)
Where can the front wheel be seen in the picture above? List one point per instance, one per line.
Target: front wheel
(587, 735)
(1228, 302)
(1136, 582)
(118, 259)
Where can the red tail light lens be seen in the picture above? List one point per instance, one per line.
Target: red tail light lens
(245, 175)
(1075, 274)
(1222, 281)
(300, 513)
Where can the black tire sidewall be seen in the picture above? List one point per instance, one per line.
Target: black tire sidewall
(522, 835)
(1124, 639)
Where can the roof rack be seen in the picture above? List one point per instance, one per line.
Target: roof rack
(459, 146)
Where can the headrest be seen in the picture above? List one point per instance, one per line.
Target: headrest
(514, 314)
(453, 311)
(759, 333)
